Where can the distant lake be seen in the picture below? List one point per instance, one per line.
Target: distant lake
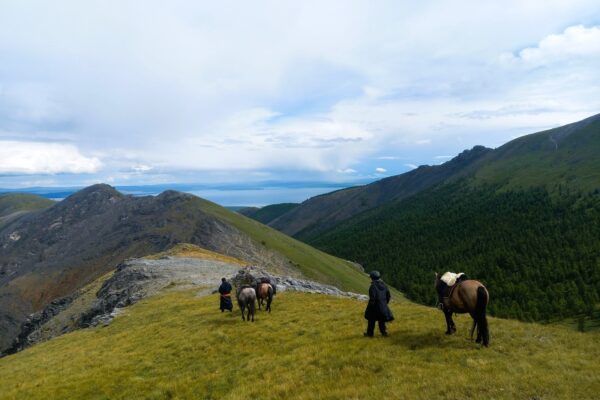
(260, 197)
(255, 195)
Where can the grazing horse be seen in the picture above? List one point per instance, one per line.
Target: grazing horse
(264, 291)
(467, 296)
(246, 296)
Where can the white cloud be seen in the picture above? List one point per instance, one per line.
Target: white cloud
(198, 86)
(423, 141)
(44, 158)
(575, 42)
(380, 170)
(411, 166)
(347, 171)
(141, 168)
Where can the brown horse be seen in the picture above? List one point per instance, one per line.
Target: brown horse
(467, 296)
(264, 291)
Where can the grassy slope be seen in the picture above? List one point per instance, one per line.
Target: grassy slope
(12, 205)
(311, 346)
(13, 202)
(313, 263)
(192, 251)
(534, 160)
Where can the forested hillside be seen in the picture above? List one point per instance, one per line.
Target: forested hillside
(539, 254)
(268, 213)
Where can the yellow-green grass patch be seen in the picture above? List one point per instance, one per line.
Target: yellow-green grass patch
(192, 251)
(311, 346)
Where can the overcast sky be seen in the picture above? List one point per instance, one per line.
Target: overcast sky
(148, 92)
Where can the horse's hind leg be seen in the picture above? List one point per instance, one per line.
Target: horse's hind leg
(473, 328)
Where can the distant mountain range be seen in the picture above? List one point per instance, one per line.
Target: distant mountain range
(524, 218)
(145, 190)
(50, 249)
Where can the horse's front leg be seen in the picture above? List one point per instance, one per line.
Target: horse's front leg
(450, 327)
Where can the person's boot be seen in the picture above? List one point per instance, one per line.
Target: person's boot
(367, 334)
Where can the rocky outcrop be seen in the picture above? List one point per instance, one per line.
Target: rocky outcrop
(138, 278)
(31, 328)
(252, 275)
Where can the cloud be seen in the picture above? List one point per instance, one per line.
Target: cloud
(27, 158)
(347, 171)
(141, 168)
(198, 90)
(411, 166)
(574, 42)
(380, 170)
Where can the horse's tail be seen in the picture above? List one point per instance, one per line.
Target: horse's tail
(480, 315)
(270, 297)
(252, 308)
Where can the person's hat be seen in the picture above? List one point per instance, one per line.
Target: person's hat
(375, 275)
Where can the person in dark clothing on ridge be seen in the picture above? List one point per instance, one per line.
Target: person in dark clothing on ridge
(377, 309)
(225, 291)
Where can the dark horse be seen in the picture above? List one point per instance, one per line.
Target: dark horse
(264, 291)
(246, 296)
(467, 296)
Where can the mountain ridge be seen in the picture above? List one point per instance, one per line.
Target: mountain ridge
(53, 252)
(324, 211)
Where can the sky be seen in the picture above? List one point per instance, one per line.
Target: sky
(154, 92)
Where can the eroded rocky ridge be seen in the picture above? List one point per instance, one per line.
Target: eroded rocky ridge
(139, 278)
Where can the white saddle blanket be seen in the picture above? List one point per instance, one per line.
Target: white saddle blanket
(450, 278)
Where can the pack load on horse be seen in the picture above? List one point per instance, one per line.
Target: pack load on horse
(265, 291)
(446, 284)
(246, 296)
(460, 295)
(225, 296)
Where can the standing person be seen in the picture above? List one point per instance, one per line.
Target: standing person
(225, 291)
(377, 309)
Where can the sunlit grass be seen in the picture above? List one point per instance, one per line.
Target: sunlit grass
(311, 346)
(192, 251)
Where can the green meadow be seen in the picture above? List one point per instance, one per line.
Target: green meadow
(179, 346)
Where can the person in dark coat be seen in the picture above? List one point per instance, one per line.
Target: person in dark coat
(377, 309)
(225, 291)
